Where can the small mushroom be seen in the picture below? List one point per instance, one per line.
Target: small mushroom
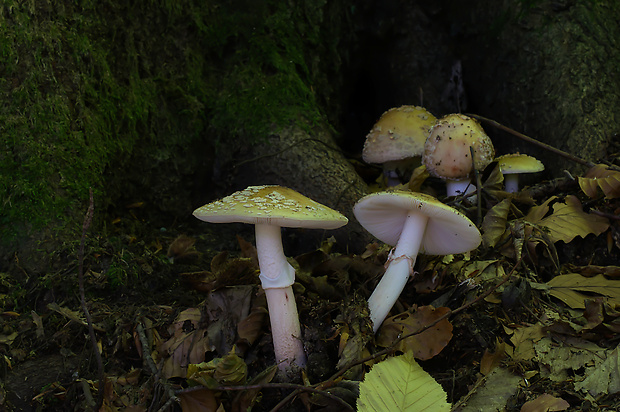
(413, 223)
(512, 165)
(269, 208)
(397, 140)
(447, 152)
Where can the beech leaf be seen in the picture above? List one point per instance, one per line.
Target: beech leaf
(604, 378)
(601, 177)
(400, 384)
(494, 223)
(545, 402)
(569, 289)
(424, 345)
(568, 220)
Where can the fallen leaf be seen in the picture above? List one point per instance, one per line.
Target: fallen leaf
(419, 176)
(245, 399)
(544, 403)
(494, 392)
(228, 370)
(569, 287)
(559, 362)
(495, 222)
(604, 378)
(400, 384)
(568, 220)
(491, 360)
(423, 345)
(601, 177)
(201, 400)
(523, 339)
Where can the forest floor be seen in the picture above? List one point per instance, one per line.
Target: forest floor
(527, 322)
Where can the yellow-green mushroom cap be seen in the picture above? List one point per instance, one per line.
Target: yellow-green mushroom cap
(519, 163)
(399, 134)
(275, 205)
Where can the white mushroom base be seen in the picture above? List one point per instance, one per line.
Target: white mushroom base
(285, 329)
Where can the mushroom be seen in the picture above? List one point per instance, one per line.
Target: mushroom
(269, 208)
(397, 140)
(447, 152)
(512, 165)
(413, 223)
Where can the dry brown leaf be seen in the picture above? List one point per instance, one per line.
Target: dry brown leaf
(600, 176)
(545, 402)
(202, 400)
(568, 288)
(491, 360)
(424, 345)
(568, 220)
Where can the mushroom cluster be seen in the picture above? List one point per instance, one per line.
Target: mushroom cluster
(269, 208)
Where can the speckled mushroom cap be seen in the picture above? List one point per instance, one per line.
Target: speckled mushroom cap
(447, 231)
(519, 163)
(446, 151)
(275, 205)
(398, 134)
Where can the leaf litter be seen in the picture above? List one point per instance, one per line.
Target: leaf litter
(527, 321)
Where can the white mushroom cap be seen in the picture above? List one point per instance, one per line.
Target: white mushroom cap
(399, 133)
(448, 231)
(519, 163)
(274, 205)
(446, 151)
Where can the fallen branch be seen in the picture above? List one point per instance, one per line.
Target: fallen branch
(533, 141)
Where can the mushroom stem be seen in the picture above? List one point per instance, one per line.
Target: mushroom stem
(285, 329)
(511, 182)
(459, 187)
(400, 267)
(277, 276)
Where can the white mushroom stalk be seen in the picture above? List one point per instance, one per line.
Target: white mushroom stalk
(511, 182)
(414, 223)
(277, 277)
(459, 187)
(400, 267)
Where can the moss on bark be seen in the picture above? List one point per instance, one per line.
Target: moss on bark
(94, 91)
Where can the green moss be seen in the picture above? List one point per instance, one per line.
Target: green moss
(85, 83)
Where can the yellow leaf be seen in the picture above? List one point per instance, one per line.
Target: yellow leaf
(600, 176)
(568, 220)
(494, 223)
(400, 384)
(568, 288)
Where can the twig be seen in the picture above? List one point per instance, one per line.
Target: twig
(91, 331)
(148, 359)
(296, 387)
(534, 141)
